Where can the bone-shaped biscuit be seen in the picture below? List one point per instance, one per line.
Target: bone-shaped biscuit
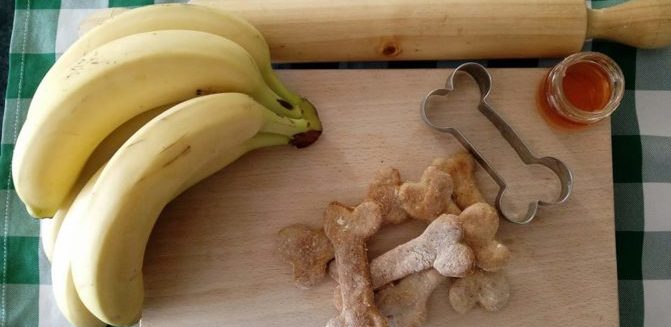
(461, 168)
(348, 230)
(428, 198)
(309, 261)
(308, 250)
(490, 289)
(384, 191)
(438, 247)
(480, 223)
(404, 304)
(480, 220)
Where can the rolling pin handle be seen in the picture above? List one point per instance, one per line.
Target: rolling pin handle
(637, 23)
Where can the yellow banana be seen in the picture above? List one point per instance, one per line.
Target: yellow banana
(49, 231)
(110, 85)
(61, 241)
(65, 293)
(49, 227)
(168, 155)
(114, 23)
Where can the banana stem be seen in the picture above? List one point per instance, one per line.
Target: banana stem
(277, 124)
(309, 113)
(263, 140)
(277, 104)
(307, 109)
(276, 85)
(301, 132)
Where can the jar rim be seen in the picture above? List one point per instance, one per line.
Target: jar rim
(565, 107)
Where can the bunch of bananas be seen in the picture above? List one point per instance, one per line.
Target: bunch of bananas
(140, 108)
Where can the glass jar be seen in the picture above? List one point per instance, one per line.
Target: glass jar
(582, 89)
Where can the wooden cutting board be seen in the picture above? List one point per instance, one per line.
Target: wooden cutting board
(212, 259)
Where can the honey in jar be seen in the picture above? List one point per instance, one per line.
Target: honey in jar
(581, 90)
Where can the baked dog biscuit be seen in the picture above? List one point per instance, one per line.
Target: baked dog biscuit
(439, 247)
(348, 229)
(490, 289)
(428, 198)
(384, 191)
(461, 168)
(308, 250)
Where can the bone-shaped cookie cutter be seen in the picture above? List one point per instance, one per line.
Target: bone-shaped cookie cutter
(484, 81)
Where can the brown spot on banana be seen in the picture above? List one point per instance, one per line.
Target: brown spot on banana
(182, 153)
(200, 92)
(173, 143)
(285, 104)
(135, 143)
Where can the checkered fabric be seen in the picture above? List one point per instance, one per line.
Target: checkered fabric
(641, 138)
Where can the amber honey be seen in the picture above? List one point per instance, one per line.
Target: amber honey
(587, 86)
(550, 114)
(583, 89)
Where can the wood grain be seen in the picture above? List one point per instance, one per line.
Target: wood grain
(343, 30)
(305, 30)
(212, 259)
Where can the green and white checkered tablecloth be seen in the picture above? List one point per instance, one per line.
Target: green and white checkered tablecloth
(641, 135)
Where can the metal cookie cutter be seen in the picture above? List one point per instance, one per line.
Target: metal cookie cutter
(484, 80)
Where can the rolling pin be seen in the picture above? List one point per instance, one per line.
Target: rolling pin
(362, 30)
